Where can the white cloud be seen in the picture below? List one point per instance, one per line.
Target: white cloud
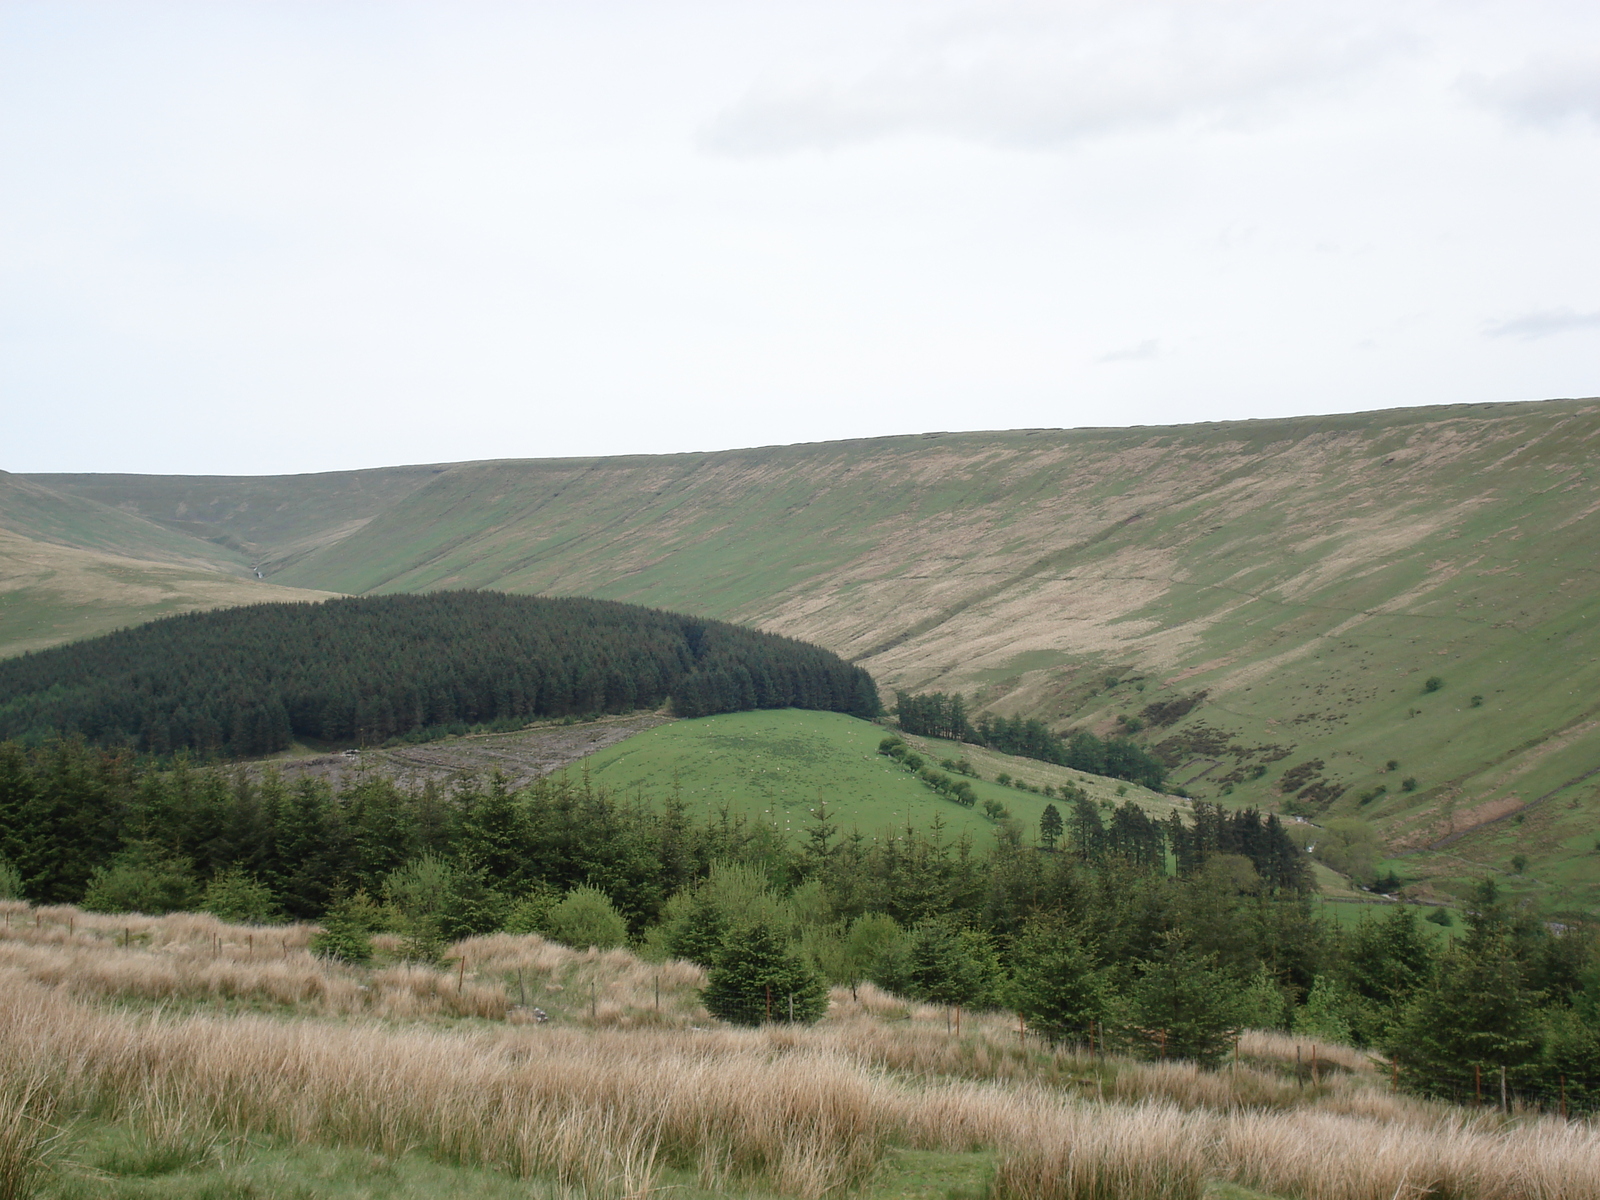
(1546, 323)
(1547, 90)
(1047, 75)
(1146, 351)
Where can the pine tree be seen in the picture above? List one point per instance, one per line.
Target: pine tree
(1475, 1017)
(1050, 826)
(949, 965)
(1056, 982)
(1183, 1006)
(755, 976)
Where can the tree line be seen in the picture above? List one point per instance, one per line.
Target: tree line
(248, 681)
(1161, 939)
(942, 715)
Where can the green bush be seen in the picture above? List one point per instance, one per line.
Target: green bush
(941, 963)
(1432, 684)
(1328, 1013)
(142, 879)
(586, 917)
(1056, 983)
(1183, 1006)
(10, 881)
(530, 912)
(346, 943)
(347, 929)
(236, 895)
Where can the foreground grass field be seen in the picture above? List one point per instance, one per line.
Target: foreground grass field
(777, 764)
(182, 1057)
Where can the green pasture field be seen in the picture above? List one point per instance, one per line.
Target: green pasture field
(776, 764)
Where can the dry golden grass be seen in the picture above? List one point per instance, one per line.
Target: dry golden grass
(602, 1104)
(26, 1106)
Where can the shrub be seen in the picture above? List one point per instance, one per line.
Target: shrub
(1184, 1007)
(142, 879)
(1476, 702)
(1408, 784)
(944, 964)
(586, 917)
(347, 943)
(530, 912)
(1432, 684)
(236, 895)
(10, 881)
(1328, 1012)
(1441, 917)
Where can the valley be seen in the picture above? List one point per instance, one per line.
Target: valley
(1304, 578)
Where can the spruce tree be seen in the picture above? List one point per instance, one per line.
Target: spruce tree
(755, 976)
(1183, 1006)
(1474, 1018)
(1056, 982)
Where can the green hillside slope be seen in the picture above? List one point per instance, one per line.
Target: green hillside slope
(42, 514)
(71, 567)
(1308, 576)
(265, 521)
(776, 765)
(51, 594)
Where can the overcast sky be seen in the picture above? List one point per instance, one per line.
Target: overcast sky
(295, 236)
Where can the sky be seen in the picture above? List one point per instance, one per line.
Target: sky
(280, 237)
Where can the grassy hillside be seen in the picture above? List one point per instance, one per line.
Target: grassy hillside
(51, 594)
(1307, 575)
(72, 567)
(776, 765)
(263, 521)
(41, 514)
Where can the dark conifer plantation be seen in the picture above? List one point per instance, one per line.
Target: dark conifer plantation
(248, 680)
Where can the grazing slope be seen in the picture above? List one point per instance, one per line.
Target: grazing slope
(263, 522)
(250, 680)
(72, 568)
(1304, 577)
(775, 766)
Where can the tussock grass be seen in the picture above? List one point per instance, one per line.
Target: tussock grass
(26, 1107)
(603, 1105)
